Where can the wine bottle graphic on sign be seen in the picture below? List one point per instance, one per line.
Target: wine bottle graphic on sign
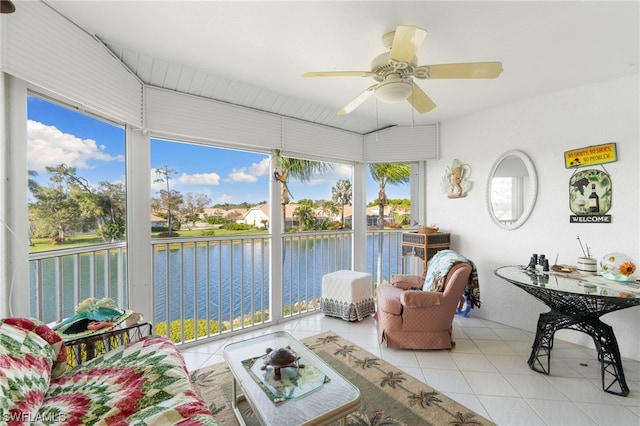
(594, 200)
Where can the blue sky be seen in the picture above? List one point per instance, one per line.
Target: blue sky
(96, 149)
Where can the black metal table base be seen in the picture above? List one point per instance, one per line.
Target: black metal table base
(577, 302)
(603, 337)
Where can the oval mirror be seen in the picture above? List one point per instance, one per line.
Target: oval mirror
(511, 189)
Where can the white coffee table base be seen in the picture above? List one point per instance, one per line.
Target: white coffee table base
(332, 402)
(238, 397)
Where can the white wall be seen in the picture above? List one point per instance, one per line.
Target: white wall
(544, 128)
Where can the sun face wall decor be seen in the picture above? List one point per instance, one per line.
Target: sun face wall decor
(455, 181)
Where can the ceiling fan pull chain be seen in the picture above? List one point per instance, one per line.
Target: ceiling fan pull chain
(413, 116)
(377, 125)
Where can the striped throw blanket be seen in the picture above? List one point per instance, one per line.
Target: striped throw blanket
(439, 267)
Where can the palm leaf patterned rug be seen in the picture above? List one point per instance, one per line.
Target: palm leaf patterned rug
(389, 396)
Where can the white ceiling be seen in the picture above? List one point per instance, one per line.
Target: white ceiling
(254, 53)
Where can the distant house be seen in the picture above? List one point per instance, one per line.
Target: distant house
(157, 221)
(389, 217)
(233, 215)
(257, 216)
(214, 212)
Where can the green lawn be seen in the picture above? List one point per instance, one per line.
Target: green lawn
(43, 244)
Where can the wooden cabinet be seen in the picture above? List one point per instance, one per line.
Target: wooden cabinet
(424, 246)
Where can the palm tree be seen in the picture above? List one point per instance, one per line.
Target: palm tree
(32, 185)
(386, 173)
(342, 194)
(306, 219)
(298, 169)
(329, 208)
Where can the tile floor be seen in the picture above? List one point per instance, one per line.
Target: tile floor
(487, 372)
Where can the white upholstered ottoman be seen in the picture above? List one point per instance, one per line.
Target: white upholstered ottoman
(347, 295)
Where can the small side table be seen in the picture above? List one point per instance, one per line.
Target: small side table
(82, 349)
(347, 295)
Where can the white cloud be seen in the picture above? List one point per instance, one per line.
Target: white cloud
(331, 177)
(343, 171)
(225, 198)
(261, 168)
(199, 179)
(186, 179)
(240, 176)
(48, 146)
(249, 174)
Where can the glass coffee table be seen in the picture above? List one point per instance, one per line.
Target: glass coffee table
(323, 396)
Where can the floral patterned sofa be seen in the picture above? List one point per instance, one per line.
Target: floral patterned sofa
(144, 382)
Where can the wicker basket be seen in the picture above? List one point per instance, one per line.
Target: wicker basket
(427, 230)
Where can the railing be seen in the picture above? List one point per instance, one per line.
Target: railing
(207, 286)
(60, 279)
(307, 257)
(384, 253)
(314, 254)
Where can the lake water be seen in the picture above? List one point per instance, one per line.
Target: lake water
(233, 278)
(192, 284)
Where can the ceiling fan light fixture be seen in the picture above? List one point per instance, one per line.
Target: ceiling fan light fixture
(394, 91)
(7, 6)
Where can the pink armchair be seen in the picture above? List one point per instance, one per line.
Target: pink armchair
(412, 318)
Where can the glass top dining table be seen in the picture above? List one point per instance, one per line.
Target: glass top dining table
(577, 302)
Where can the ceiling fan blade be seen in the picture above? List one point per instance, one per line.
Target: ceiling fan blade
(338, 74)
(465, 70)
(358, 100)
(406, 42)
(420, 101)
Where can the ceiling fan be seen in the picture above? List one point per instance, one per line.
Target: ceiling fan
(394, 71)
